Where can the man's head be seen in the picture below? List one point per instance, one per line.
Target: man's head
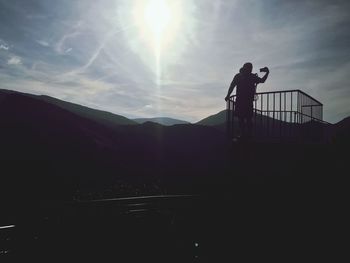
(247, 67)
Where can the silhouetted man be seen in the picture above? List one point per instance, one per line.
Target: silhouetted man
(246, 83)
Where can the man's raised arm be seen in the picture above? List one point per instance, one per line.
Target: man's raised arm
(267, 71)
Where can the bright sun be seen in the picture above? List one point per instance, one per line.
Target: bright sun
(157, 16)
(158, 22)
(160, 31)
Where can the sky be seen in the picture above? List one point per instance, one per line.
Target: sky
(174, 58)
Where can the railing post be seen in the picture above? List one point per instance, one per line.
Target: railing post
(311, 113)
(280, 116)
(273, 120)
(228, 119)
(268, 116)
(261, 115)
(233, 117)
(285, 114)
(255, 115)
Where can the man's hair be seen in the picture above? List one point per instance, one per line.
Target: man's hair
(247, 67)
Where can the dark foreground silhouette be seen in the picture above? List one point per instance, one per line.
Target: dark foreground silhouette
(247, 200)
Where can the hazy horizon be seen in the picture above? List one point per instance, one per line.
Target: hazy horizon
(173, 58)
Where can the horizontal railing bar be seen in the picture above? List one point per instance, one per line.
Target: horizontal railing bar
(276, 110)
(279, 91)
(314, 118)
(311, 105)
(286, 91)
(276, 92)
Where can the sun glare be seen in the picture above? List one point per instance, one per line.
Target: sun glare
(157, 16)
(158, 22)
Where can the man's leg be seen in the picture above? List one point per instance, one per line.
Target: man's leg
(249, 127)
(241, 126)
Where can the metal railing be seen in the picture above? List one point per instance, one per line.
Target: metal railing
(281, 115)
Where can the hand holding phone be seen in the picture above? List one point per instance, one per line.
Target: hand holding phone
(264, 69)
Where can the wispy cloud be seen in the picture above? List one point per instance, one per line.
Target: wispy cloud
(60, 46)
(4, 45)
(43, 43)
(14, 60)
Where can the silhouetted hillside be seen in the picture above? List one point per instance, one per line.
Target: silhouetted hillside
(342, 132)
(44, 146)
(99, 116)
(27, 120)
(344, 124)
(215, 119)
(161, 120)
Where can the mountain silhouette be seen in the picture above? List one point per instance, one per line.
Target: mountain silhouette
(214, 120)
(341, 132)
(39, 122)
(48, 148)
(343, 125)
(103, 117)
(161, 120)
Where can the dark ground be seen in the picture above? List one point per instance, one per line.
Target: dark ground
(264, 201)
(281, 201)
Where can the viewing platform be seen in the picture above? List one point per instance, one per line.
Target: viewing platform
(288, 116)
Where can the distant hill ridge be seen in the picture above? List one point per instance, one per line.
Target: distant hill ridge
(161, 120)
